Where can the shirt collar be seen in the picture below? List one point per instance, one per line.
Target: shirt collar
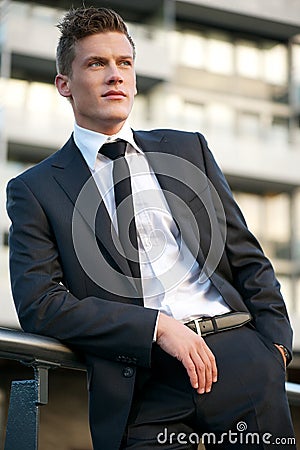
(89, 142)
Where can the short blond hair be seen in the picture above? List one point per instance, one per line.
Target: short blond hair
(81, 22)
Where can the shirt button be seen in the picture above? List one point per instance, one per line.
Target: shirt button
(128, 372)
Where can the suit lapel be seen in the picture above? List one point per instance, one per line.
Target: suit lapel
(188, 193)
(73, 175)
(173, 174)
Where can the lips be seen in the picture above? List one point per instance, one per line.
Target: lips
(116, 94)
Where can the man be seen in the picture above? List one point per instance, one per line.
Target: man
(154, 381)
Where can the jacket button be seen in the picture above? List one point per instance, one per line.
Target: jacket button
(128, 372)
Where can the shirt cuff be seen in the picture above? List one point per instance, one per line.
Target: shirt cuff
(155, 329)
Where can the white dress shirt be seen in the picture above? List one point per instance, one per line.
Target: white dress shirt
(169, 272)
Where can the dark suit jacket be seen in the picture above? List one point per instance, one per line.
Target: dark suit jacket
(67, 277)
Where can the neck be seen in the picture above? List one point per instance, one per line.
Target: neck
(107, 129)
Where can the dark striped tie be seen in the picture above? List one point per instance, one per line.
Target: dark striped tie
(124, 204)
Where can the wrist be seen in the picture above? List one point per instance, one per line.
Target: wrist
(154, 339)
(162, 324)
(284, 352)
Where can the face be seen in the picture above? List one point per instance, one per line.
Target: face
(102, 86)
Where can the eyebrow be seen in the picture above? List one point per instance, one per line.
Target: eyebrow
(88, 58)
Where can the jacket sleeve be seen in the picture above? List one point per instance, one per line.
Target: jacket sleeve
(253, 274)
(108, 329)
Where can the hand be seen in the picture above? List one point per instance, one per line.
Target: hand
(282, 353)
(190, 349)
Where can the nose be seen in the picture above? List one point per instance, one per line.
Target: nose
(114, 75)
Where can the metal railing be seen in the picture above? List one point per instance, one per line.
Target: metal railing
(26, 396)
(43, 353)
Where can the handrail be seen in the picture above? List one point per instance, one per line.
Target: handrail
(28, 347)
(26, 396)
(44, 353)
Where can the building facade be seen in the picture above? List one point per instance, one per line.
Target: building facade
(226, 68)
(229, 70)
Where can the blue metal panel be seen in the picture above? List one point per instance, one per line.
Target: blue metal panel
(23, 416)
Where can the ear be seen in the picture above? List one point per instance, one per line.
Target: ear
(135, 86)
(62, 85)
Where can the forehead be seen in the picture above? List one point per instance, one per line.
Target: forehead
(101, 44)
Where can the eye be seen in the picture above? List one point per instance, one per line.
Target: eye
(95, 64)
(126, 63)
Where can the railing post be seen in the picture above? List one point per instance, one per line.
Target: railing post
(41, 353)
(23, 415)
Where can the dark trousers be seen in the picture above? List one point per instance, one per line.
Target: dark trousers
(246, 409)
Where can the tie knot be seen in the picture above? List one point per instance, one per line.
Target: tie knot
(114, 150)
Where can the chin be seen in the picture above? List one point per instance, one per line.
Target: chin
(118, 112)
(118, 118)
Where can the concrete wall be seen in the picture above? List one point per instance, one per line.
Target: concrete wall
(279, 10)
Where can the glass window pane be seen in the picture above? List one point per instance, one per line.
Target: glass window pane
(279, 131)
(250, 205)
(192, 50)
(220, 116)
(14, 93)
(193, 116)
(297, 299)
(249, 124)
(296, 74)
(277, 224)
(219, 56)
(286, 290)
(276, 64)
(248, 60)
(296, 62)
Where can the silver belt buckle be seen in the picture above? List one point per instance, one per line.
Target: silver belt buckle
(196, 322)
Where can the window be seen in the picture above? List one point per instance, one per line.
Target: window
(296, 74)
(275, 63)
(268, 218)
(219, 56)
(192, 50)
(194, 116)
(296, 63)
(248, 59)
(249, 124)
(280, 130)
(221, 117)
(287, 290)
(251, 205)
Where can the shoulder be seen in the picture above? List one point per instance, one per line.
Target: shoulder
(182, 142)
(42, 168)
(171, 133)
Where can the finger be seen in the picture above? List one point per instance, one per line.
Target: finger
(201, 370)
(201, 361)
(212, 359)
(192, 372)
(209, 375)
(204, 372)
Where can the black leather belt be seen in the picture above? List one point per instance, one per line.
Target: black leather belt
(208, 325)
